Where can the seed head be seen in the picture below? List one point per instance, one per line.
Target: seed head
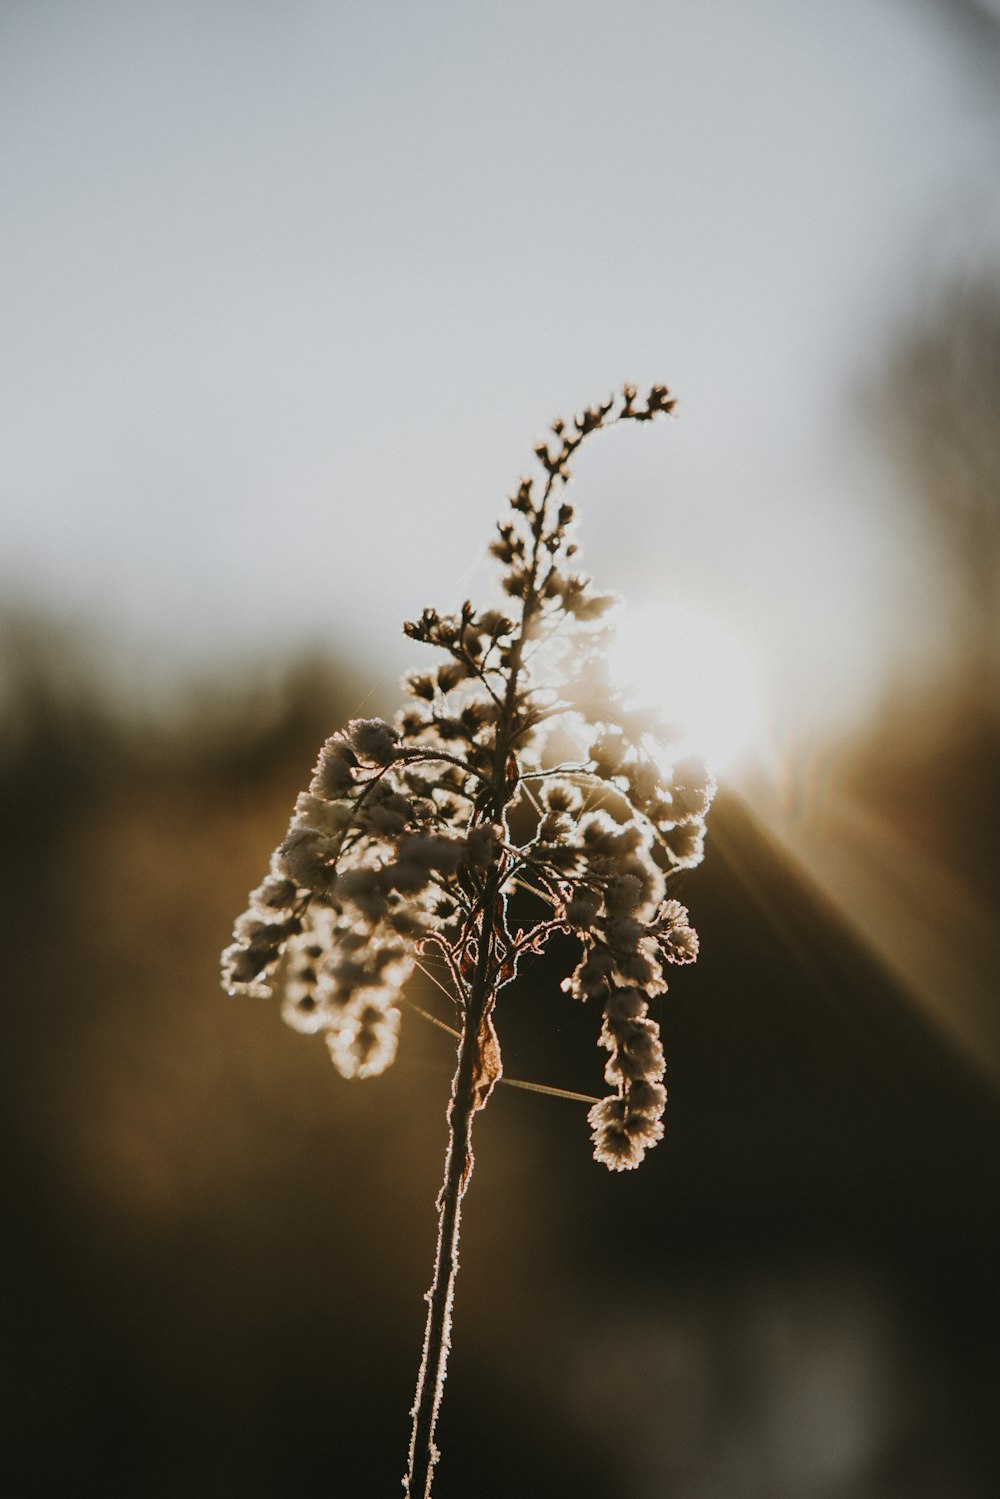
(413, 834)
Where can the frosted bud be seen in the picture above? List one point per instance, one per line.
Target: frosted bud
(615, 1146)
(644, 782)
(623, 894)
(321, 816)
(483, 845)
(275, 893)
(679, 944)
(647, 1097)
(386, 814)
(625, 1004)
(636, 1052)
(582, 909)
(686, 844)
(642, 1129)
(363, 1043)
(373, 740)
(450, 674)
(591, 977)
(692, 789)
(554, 827)
(609, 751)
(303, 1010)
(420, 684)
(333, 776)
(366, 887)
(241, 965)
(562, 797)
(305, 854)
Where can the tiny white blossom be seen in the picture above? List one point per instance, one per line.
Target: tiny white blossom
(372, 740)
(413, 837)
(364, 1040)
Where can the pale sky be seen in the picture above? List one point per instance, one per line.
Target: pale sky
(288, 292)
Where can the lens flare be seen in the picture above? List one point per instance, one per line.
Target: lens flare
(701, 674)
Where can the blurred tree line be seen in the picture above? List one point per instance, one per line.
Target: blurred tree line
(215, 1250)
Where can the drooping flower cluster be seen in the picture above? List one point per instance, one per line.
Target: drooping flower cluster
(402, 845)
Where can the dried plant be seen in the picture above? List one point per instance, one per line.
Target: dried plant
(403, 850)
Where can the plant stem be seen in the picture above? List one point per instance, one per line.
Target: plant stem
(457, 1171)
(468, 1093)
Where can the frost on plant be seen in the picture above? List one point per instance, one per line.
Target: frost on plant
(515, 765)
(402, 846)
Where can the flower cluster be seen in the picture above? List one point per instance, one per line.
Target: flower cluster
(401, 848)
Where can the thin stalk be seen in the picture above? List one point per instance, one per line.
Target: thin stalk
(475, 1075)
(466, 1098)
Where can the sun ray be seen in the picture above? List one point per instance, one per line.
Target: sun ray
(926, 928)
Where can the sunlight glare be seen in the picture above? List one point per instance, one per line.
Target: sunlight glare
(700, 673)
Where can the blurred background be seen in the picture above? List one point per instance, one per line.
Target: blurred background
(287, 294)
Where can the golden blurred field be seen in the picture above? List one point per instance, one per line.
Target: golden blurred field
(216, 1249)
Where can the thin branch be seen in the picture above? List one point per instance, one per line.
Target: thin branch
(421, 757)
(426, 1014)
(505, 1081)
(516, 1082)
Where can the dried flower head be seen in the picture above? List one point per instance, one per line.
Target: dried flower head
(402, 847)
